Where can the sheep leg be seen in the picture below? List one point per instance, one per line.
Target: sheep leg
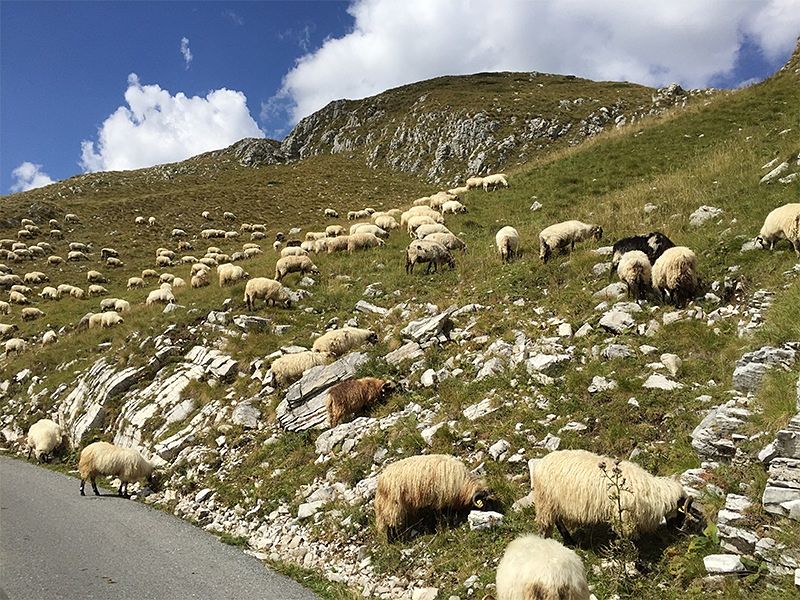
(94, 487)
(796, 245)
(565, 535)
(83, 483)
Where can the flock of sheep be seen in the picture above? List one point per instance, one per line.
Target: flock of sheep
(568, 485)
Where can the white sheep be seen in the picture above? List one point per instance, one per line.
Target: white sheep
(412, 488)
(71, 218)
(44, 436)
(228, 216)
(57, 234)
(783, 222)
(571, 490)
(675, 274)
(312, 236)
(290, 367)
(363, 241)
(198, 267)
(139, 221)
(149, 274)
(5, 308)
(166, 278)
(35, 278)
(334, 230)
(330, 213)
(102, 458)
(96, 277)
(416, 221)
(294, 264)
(160, 296)
(266, 289)
(428, 228)
(108, 252)
(122, 306)
(76, 255)
(230, 274)
(96, 290)
(458, 191)
(634, 270)
(453, 207)
(15, 345)
(135, 282)
(386, 222)
(494, 181)
(507, 242)
(448, 240)
(15, 297)
(293, 251)
(114, 263)
(430, 252)
(474, 182)
(49, 337)
(178, 282)
(55, 260)
(110, 319)
(562, 235)
(206, 215)
(369, 228)
(200, 279)
(49, 293)
(31, 314)
(341, 341)
(535, 568)
(151, 221)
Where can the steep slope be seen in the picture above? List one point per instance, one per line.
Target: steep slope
(304, 497)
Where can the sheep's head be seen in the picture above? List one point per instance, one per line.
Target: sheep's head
(372, 338)
(760, 242)
(678, 517)
(596, 231)
(387, 388)
(451, 262)
(484, 499)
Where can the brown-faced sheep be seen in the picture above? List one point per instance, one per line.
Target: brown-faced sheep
(102, 458)
(348, 398)
(414, 487)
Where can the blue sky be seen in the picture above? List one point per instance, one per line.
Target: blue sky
(116, 85)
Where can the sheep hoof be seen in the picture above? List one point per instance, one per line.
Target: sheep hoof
(83, 493)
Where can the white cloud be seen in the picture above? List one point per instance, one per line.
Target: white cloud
(186, 52)
(157, 127)
(29, 176)
(653, 43)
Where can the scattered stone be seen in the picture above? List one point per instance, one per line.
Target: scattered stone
(481, 409)
(536, 206)
(723, 564)
(601, 269)
(479, 519)
(246, 415)
(365, 307)
(613, 291)
(499, 449)
(425, 329)
(672, 362)
(202, 495)
(373, 290)
(428, 433)
(308, 509)
(601, 384)
(649, 208)
(408, 351)
(660, 382)
(428, 378)
(614, 351)
(583, 330)
(565, 330)
(617, 321)
(703, 214)
(752, 366)
(424, 593)
(712, 438)
(775, 173)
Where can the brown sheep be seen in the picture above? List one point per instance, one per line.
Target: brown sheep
(349, 397)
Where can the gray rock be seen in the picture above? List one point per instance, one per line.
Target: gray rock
(246, 415)
(365, 307)
(723, 564)
(536, 206)
(617, 321)
(565, 330)
(775, 173)
(752, 366)
(711, 439)
(481, 409)
(424, 593)
(202, 495)
(425, 329)
(479, 519)
(614, 351)
(499, 449)
(782, 492)
(428, 433)
(250, 323)
(613, 291)
(672, 362)
(428, 378)
(493, 366)
(542, 362)
(373, 290)
(749, 246)
(308, 509)
(657, 381)
(601, 269)
(408, 351)
(703, 214)
(220, 365)
(583, 330)
(601, 384)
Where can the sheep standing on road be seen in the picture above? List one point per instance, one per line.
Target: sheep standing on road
(562, 235)
(419, 486)
(783, 222)
(102, 458)
(571, 490)
(535, 568)
(507, 242)
(44, 436)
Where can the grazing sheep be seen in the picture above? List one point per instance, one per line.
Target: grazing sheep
(507, 242)
(5, 308)
(44, 436)
(414, 486)
(258, 235)
(231, 235)
(453, 207)
(309, 246)
(96, 277)
(55, 260)
(348, 398)
(474, 182)
(246, 227)
(139, 221)
(783, 222)
(76, 255)
(535, 568)
(15, 297)
(97, 290)
(184, 245)
(228, 216)
(315, 235)
(429, 228)
(108, 253)
(330, 213)
(341, 341)
(634, 271)
(363, 241)
(212, 233)
(114, 263)
(49, 293)
(102, 458)
(49, 337)
(415, 221)
(369, 228)
(200, 279)
(22, 289)
(71, 218)
(337, 244)
(178, 282)
(334, 230)
(31, 314)
(166, 278)
(162, 295)
(206, 215)
(561, 235)
(79, 246)
(77, 292)
(653, 244)
(198, 267)
(151, 221)
(290, 367)
(110, 319)
(35, 278)
(15, 345)
(122, 306)
(294, 264)
(24, 234)
(6, 329)
(386, 222)
(458, 191)
(675, 274)
(427, 251)
(448, 240)
(571, 490)
(163, 261)
(494, 181)
(149, 274)
(135, 282)
(293, 251)
(439, 199)
(268, 290)
(177, 232)
(107, 304)
(230, 274)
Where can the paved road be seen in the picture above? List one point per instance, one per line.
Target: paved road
(57, 544)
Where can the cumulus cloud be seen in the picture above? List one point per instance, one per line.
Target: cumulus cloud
(393, 43)
(156, 127)
(29, 176)
(186, 52)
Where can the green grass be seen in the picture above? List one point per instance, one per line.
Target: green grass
(710, 153)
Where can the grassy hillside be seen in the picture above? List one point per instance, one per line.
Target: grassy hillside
(709, 154)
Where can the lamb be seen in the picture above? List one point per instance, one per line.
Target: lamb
(139, 221)
(653, 244)
(135, 282)
(290, 367)
(348, 398)
(97, 290)
(293, 251)
(198, 267)
(178, 282)
(258, 235)
(448, 240)
(634, 271)
(31, 314)
(206, 215)
(561, 235)
(96, 277)
(110, 319)
(230, 274)
(228, 216)
(414, 486)
(15, 345)
(533, 567)
(570, 490)
(341, 341)
(44, 436)
(122, 306)
(246, 227)
(494, 181)
(507, 242)
(71, 218)
(675, 273)
(114, 263)
(783, 222)
(429, 228)
(453, 207)
(268, 290)
(294, 264)
(151, 221)
(102, 458)
(363, 241)
(427, 251)
(49, 337)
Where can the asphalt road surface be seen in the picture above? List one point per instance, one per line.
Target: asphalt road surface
(57, 545)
